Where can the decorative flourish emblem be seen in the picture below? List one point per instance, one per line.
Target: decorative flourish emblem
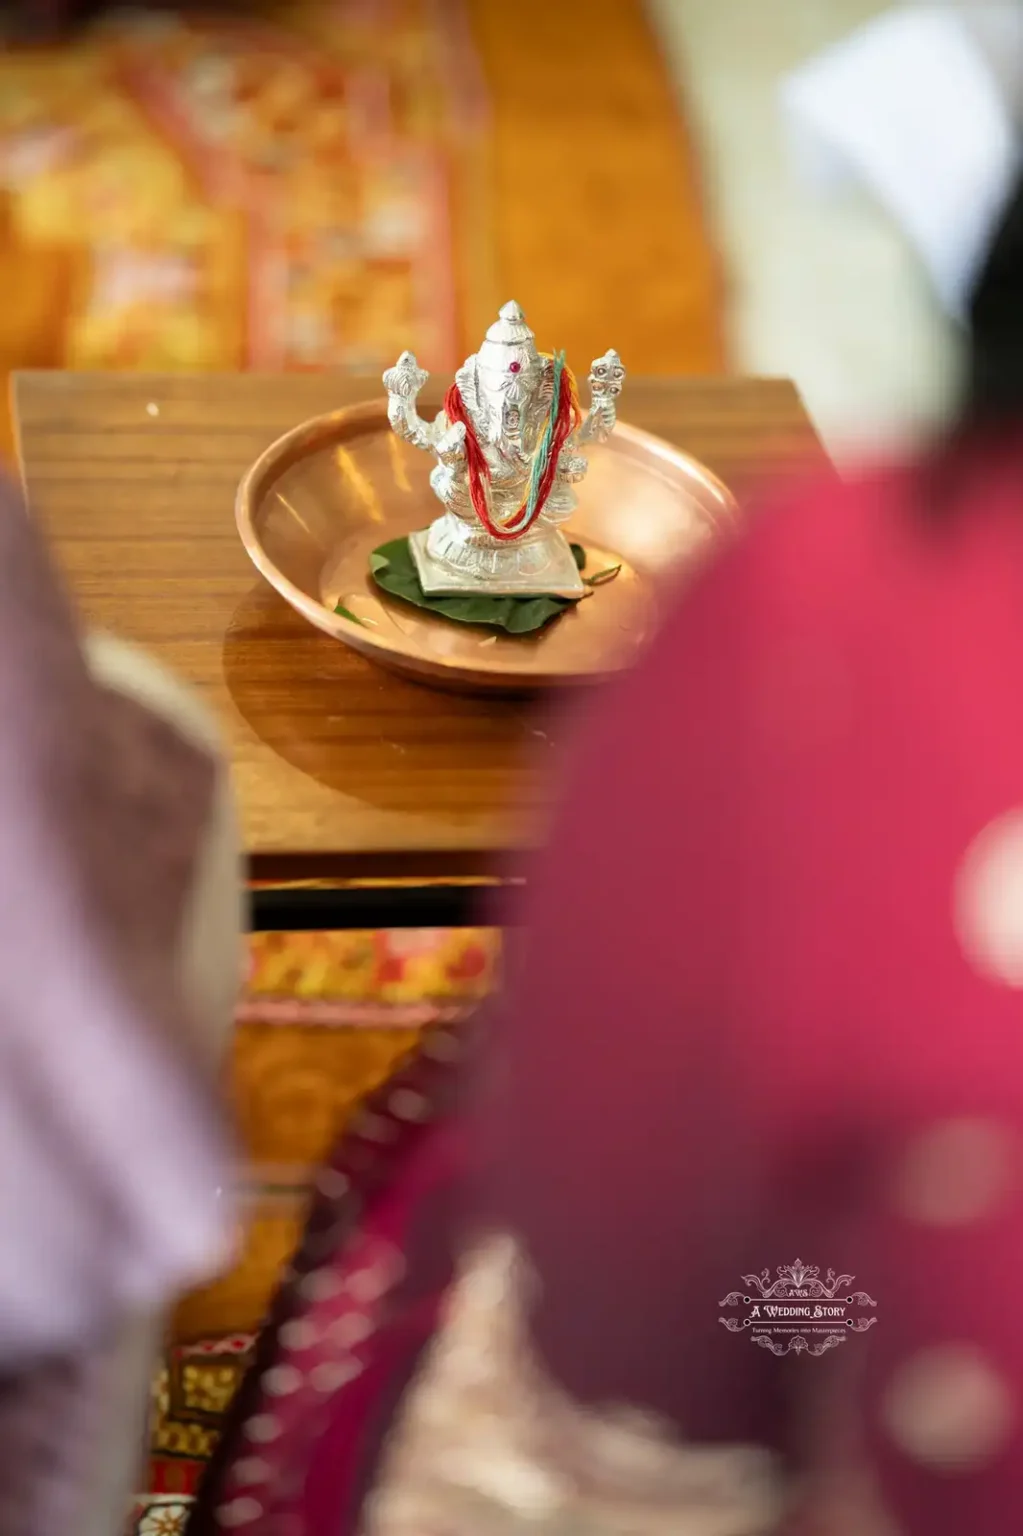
(797, 1312)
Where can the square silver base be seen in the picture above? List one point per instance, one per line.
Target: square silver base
(561, 579)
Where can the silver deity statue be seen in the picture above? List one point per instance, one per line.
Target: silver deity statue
(507, 401)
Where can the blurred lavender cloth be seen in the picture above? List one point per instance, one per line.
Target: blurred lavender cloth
(112, 1147)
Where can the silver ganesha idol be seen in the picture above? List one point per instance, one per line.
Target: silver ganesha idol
(508, 448)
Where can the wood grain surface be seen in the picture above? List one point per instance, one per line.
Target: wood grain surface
(342, 770)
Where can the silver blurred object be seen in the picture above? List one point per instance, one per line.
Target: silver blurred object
(507, 390)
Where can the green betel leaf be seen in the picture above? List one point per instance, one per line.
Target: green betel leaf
(579, 556)
(602, 577)
(346, 613)
(394, 571)
(529, 613)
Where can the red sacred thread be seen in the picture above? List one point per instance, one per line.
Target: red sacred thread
(475, 458)
(566, 421)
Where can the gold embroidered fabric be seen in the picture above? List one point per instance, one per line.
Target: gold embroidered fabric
(485, 1446)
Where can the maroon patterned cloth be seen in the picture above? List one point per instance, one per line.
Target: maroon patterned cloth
(111, 1142)
(354, 1313)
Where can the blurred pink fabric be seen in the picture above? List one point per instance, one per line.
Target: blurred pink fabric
(769, 1005)
(765, 1007)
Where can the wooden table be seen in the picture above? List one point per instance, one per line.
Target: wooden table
(342, 770)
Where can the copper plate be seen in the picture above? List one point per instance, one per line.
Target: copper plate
(315, 504)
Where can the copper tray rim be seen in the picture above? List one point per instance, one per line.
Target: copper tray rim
(321, 431)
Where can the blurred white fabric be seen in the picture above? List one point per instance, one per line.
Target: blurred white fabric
(911, 107)
(826, 289)
(997, 27)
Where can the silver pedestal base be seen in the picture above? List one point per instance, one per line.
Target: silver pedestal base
(560, 577)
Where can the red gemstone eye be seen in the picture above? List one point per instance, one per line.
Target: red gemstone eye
(514, 367)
